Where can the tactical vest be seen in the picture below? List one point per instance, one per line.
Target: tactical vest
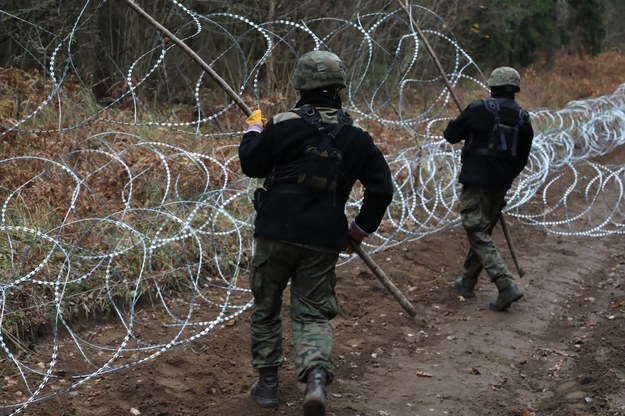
(504, 138)
(319, 168)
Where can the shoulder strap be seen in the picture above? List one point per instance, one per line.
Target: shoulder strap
(312, 116)
(344, 120)
(492, 106)
(515, 137)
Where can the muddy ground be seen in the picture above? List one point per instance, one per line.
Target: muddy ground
(560, 351)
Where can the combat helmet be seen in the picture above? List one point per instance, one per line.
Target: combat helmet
(505, 76)
(318, 69)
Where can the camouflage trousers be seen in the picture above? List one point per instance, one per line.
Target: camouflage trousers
(479, 211)
(313, 304)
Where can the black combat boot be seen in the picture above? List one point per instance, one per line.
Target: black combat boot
(315, 395)
(465, 287)
(265, 389)
(506, 296)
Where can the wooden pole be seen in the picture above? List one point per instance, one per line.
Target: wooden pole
(377, 271)
(430, 51)
(506, 232)
(223, 84)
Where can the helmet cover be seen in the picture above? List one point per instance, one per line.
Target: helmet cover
(504, 76)
(318, 69)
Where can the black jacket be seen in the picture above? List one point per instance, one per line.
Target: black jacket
(293, 212)
(475, 125)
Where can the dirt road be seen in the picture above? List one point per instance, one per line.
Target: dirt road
(558, 351)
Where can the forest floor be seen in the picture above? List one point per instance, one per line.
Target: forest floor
(559, 351)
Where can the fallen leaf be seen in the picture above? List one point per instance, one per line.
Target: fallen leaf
(526, 412)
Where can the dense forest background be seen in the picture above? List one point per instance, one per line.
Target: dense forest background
(492, 32)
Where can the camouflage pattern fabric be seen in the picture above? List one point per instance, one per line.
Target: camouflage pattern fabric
(318, 69)
(313, 304)
(479, 211)
(503, 76)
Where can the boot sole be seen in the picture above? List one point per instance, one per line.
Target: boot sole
(465, 293)
(494, 307)
(263, 402)
(314, 407)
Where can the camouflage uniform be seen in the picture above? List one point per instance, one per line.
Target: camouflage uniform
(313, 305)
(479, 210)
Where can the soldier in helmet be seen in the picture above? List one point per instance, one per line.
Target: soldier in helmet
(497, 136)
(310, 158)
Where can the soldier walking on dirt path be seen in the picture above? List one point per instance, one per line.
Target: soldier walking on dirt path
(497, 136)
(310, 158)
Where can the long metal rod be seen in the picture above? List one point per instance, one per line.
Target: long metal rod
(431, 52)
(377, 271)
